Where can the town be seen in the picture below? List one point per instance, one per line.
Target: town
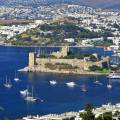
(57, 58)
(62, 24)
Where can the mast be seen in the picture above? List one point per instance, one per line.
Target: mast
(6, 80)
(32, 91)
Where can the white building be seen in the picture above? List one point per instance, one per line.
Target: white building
(71, 40)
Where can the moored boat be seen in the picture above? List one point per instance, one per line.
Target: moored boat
(70, 84)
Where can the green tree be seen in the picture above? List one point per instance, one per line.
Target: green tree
(89, 114)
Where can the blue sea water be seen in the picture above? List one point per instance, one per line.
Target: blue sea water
(57, 99)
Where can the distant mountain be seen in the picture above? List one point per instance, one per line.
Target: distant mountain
(92, 3)
(101, 3)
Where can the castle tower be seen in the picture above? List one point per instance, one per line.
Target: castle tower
(64, 51)
(31, 61)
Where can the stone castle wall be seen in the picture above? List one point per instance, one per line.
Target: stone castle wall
(74, 62)
(82, 64)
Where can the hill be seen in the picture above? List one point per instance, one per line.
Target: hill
(92, 3)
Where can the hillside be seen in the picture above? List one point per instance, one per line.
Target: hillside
(93, 3)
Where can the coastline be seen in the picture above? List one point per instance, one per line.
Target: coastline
(26, 46)
(97, 111)
(26, 69)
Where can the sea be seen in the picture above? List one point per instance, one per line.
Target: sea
(58, 98)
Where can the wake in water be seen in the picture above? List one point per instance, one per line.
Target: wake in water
(2, 109)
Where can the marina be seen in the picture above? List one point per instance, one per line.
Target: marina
(50, 99)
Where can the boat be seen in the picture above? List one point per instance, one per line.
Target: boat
(113, 76)
(24, 92)
(7, 83)
(109, 85)
(97, 82)
(53, 82)
(70, 84)
(16, 77)
(30, 98)
(83, 88)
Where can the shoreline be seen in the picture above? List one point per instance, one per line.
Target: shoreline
(97, 111)
(27, 46)
(61, 72)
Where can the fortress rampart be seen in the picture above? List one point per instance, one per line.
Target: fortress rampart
(75, 65)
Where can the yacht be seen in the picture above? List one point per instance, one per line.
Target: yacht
(70, 84)
(30, 98)
(53, 82)
(113, 76)
(24, 92)
(8, 83)
(16, 77)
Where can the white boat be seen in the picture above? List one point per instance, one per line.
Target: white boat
(24, 92)
(30, 98)
(70, 84)
(113, 76)
(7, 83)
(109, 85)
(97, 82)
(53, 82)
(16, 77)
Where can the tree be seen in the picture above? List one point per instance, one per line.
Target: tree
(88, 112)
(94, 68)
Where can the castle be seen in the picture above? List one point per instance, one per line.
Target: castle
(79, 65)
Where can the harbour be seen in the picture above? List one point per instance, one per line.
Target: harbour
(55, 101)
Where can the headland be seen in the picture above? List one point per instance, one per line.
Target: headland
(64, 61)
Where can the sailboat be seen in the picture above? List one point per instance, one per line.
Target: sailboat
(16, 77)
(24, 92)
(8, 83)
(30, 98)
(97, 82)
(109, 85)
(83, 88)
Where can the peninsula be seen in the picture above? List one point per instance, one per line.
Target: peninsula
(64, 61)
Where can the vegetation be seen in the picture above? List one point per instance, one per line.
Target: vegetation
(54, 33)
(98, 69)
(60, 66)
(46, 56)
(88, 114)
(95, 68)
(81, 56)
(104, 71)
(105, 42)
(77, 56)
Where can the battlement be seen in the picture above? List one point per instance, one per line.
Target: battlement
(64, 52)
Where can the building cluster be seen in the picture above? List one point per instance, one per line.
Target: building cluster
(94, 20)
(10, 31)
